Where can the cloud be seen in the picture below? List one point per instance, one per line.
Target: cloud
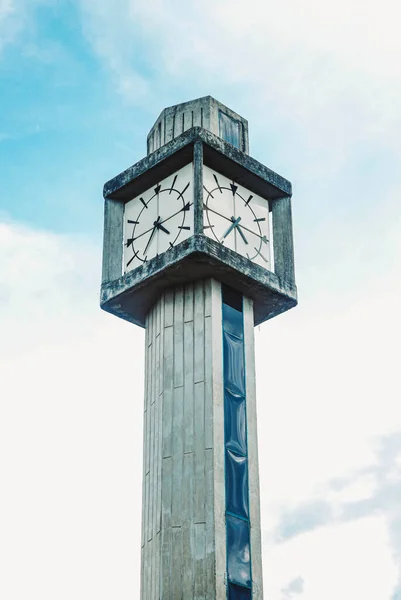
(119, 44)
(305, 517)
(347, 560)
(69, 424)
(328, 73)
(15, 16)
(10, 22)
(381, 499)
(295, 587)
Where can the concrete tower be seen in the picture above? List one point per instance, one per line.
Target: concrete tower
(198, 250)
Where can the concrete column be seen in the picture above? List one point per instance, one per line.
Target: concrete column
(183, 476)
(183, 511)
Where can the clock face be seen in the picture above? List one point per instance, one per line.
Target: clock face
(158, 219)
(236, 218)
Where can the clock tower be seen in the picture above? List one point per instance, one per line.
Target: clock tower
(198, 249)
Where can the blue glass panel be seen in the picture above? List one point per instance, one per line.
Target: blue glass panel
(234, 378)
(238, 552)
(237, 484)
(235, 422)
(233, 321)
(236, 592)
(229, 129)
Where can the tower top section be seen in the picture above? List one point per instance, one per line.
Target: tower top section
(206, 112)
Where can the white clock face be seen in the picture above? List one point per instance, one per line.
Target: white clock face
(236, 217)
(158, 219)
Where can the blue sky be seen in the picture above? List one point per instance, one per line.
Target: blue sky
(81, 84)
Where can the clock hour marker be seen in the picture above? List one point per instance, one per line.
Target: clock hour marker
(171, 244)
(249, 199)
(185, 188)
(234, 188)
(132, 222)
(143, 202)
(206, 190)
(184, 227)
(187, 206)
(261, 255)
(264, 239)
(208, 226)
(172, 185)
(218, 185)
(157, 189)
(129, 242)
(259, 220)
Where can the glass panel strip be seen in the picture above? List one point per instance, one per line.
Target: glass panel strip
(239, 572)
(238, 551)
(237, 484)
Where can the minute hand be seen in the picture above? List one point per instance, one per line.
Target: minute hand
(175, 214)
(232, 226)
(228, 219)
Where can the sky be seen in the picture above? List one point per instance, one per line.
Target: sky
(81, 84)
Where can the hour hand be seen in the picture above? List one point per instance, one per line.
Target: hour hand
(232, 226)
(239, 229)
(159, 226)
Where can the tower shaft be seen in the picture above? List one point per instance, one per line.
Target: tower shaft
(184, 512)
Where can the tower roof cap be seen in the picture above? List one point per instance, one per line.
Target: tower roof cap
(206, 112)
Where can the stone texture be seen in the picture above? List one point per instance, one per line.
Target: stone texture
(183, 479)
(199, 257)
(131, 295)
(206, 112)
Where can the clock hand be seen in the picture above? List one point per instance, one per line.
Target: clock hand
(216, 213)
(241, 233)
(232, 226)
(155, 224)
(186, 207)
(262, 237)
(238, 227)
(142, 234)
(160, 226)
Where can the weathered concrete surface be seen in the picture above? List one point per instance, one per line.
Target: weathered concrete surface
(206, 112)
(183, 527)
(218, 154)
(198, 257)
(131, 295)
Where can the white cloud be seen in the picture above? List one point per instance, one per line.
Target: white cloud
(321, 87)
(348, 561)
(15, 16)
(70, 435)
(328, 73)
(113, 37)
(295, 587)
